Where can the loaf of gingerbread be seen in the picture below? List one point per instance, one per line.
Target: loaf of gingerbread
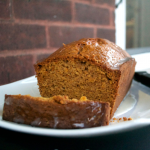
(93, 67)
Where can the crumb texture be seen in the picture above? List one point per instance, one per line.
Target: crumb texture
(76, 78)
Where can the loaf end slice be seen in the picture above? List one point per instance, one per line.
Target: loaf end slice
(56, 112)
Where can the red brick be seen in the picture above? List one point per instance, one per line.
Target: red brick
(108, 2)
(42, 56)
(106, 34)
(59, 35)
(113, 18)
(90, 14)
(15, 68)
(5, 9)
(54, 10)
(14, 37)
(86, 0)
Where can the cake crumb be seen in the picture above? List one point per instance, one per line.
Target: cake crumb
(83, 98)
(130, 118)
(114, 118)
(118, 120)
(125, 119)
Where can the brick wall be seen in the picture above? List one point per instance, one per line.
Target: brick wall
(33, 29)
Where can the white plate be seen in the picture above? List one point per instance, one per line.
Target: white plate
(143, 61)
(136, 105)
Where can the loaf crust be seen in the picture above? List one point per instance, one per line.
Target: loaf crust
(56, 112)
(100, 51)
(115, 66)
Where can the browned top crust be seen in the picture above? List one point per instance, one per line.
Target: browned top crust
(101, 51)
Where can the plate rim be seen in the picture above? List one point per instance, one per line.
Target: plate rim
(87, 132)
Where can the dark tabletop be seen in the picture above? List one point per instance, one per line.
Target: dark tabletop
(137, 139)
(134, 140)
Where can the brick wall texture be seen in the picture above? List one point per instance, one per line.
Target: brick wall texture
(33, 29)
